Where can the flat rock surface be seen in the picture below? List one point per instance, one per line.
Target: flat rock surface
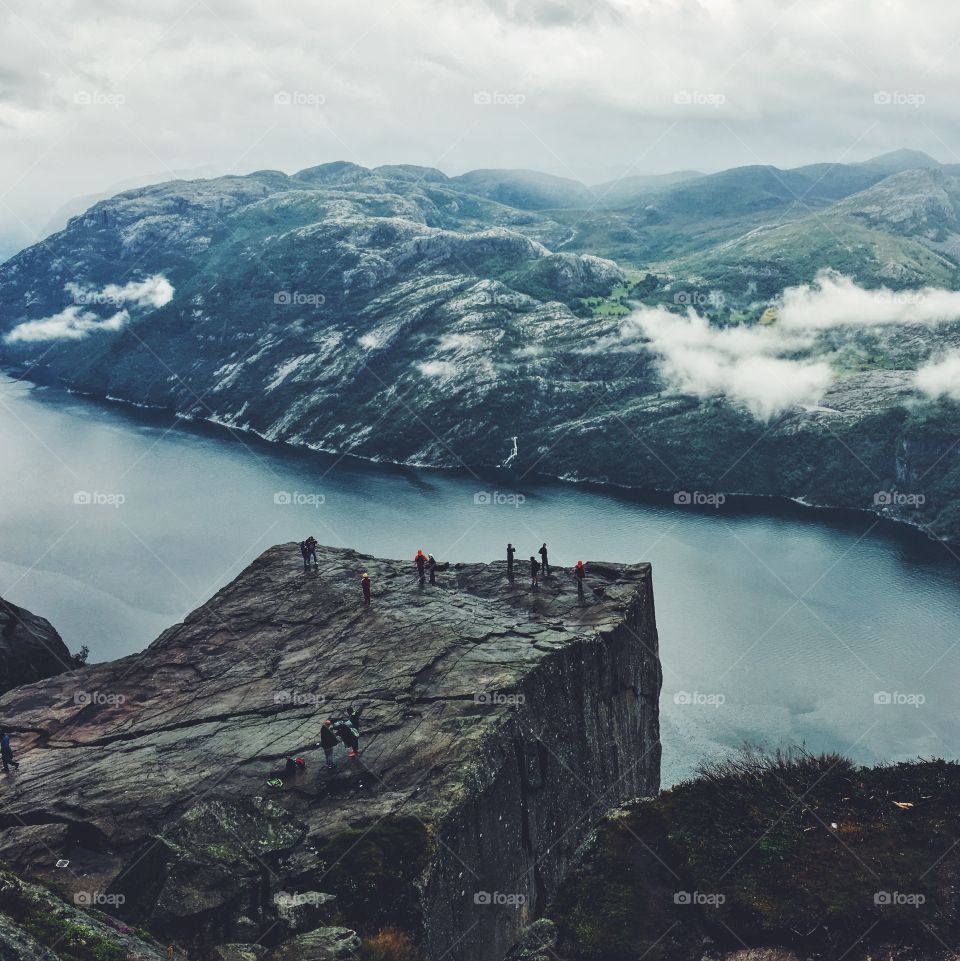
(181, 739)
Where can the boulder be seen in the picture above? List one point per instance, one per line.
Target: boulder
(30, 648)
(239, 952)
(537, 943)
(322, 944)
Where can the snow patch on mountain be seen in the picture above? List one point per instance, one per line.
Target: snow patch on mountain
(284, 370)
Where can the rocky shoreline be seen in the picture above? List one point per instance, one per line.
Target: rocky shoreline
(655, 495)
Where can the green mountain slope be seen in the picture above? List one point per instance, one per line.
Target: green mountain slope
(396, 315)
(896, 233)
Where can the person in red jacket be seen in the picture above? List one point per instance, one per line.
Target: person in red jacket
(365, 584)
(579, 573)
(420, 560)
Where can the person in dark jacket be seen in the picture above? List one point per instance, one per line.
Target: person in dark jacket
(421, 561)
(534, 571)
(328, 741)
(544, 564)
(579, 573)
(432, 567)
(365, 585)
(6, 753)
(305, 554)
(511, 550)
(311, 543)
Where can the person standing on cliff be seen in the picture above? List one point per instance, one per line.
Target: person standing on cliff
(432, 567)
(365, 585)
(534, 572)
(545, 565)
(305, 554)
(328, 741)
(311, 543)
(420, 560)
(579, 573)
(6, 753)
(511, 550)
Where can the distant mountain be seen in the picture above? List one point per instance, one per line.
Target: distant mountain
(742, 190)
(697, 213)
(400, 314)
(760, 189)
(357, 285)
(922, 202)
(626, 190)
(896, 161)
(900, 232)
(525, 189)
(79, 204)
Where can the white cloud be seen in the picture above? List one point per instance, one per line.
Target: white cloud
(833, 300)
(770, 385)
(198, 83)
(771, 368)
(153, 292)
(941, 378)
(741, 363)
(79, 320)
(72, 323)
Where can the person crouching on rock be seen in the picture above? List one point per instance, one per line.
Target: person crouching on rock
(432, 567)
(6, 753)
(534, 571)
(348, 730)
(295, 766)
(328, 741)
(365, 584)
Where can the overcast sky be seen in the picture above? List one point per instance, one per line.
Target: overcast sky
(101, 94)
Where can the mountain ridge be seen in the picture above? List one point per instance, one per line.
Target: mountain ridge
(390, 315)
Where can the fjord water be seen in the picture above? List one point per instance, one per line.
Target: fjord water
(775, 628)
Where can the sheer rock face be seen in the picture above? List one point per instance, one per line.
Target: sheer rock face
(498, 725)
(30, 648)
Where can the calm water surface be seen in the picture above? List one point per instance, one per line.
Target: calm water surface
(776, 628)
